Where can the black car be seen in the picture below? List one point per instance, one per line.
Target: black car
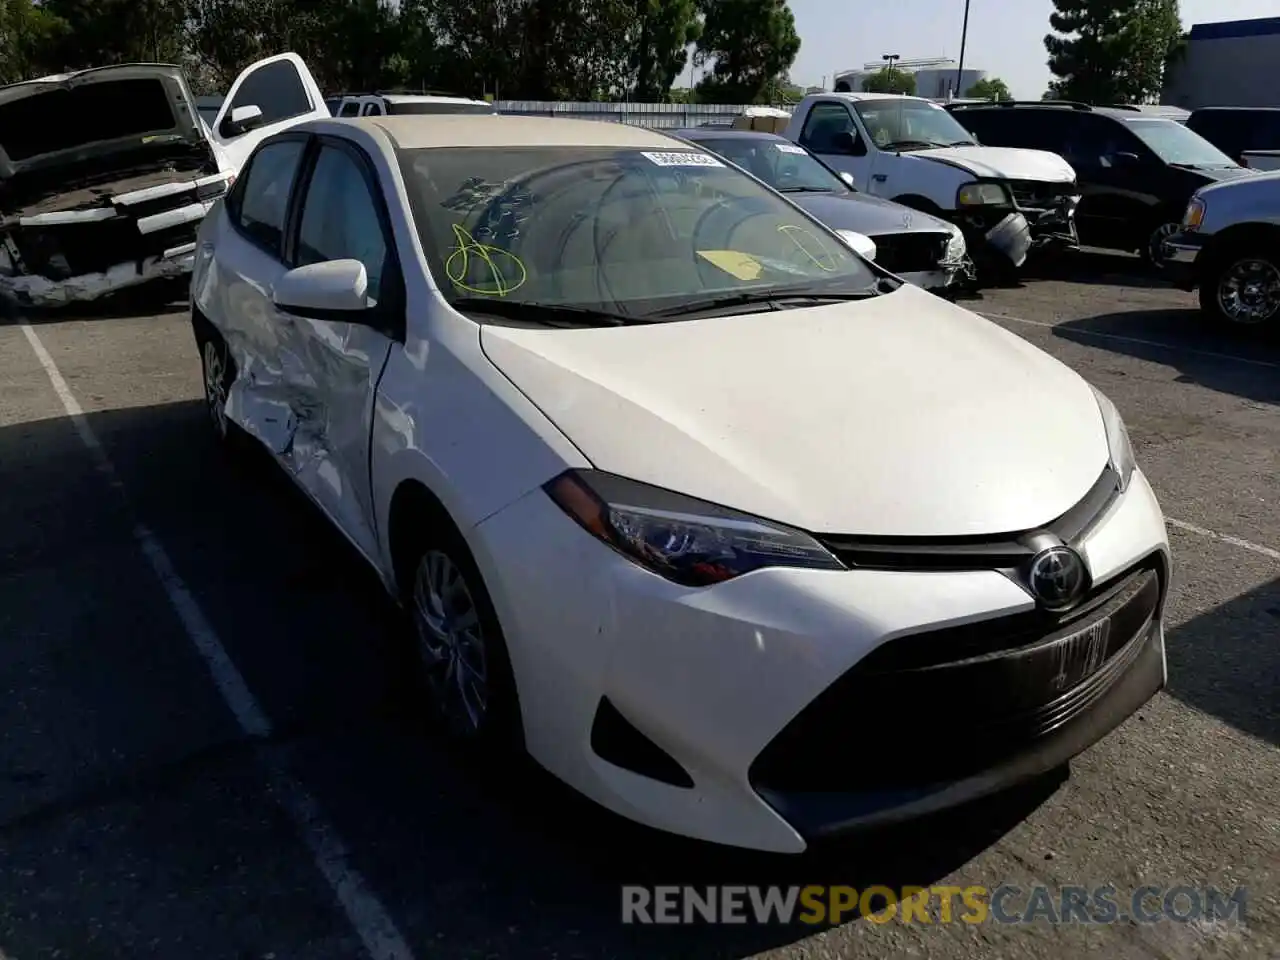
(1248, 135)
(919, 247)
(1136, 171)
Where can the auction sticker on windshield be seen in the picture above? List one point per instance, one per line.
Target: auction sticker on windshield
(788, 148)
(682, 159)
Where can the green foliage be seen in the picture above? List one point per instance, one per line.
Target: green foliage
(1111, 51)
(509, 49)
(889, 80)
(989, 88)
(749, 44)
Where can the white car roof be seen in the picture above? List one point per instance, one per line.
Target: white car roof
(867, 96)
(425, 98)
(412, 132)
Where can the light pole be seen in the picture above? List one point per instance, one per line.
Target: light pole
(964, 35)
(889, 58)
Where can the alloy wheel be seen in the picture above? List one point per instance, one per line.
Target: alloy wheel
(215, 387)
(1158, 243)
(451, 643)
(1249, 291)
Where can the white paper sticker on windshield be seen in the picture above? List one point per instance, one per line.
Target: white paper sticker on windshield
(682, 159)
(789, 148)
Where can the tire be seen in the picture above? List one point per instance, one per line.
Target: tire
(217, 373)
(1241, 289)
(461, 652)
(1153, 251)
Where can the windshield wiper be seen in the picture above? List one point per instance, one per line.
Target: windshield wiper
(963, 143)
(792, 296)
(805, 190)
(548, 314)
(899, 144)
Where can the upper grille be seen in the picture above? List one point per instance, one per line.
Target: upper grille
(910, 252)
(1035, 195)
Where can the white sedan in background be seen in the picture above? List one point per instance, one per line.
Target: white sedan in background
(733, 531)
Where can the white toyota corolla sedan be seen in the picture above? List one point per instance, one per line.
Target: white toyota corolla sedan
(733, 531)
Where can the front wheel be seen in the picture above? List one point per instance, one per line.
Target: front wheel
(461, 649)
(1156, 251)
(218, 373)
(1243, 290)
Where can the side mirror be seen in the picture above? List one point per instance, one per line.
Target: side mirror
(332, 290)
(860, 243)
(847, 177)
(242, 120)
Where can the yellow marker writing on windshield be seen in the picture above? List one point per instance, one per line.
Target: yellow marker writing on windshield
(506, 271)
(804, 239)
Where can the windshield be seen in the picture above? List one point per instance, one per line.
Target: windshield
(627, 231)
(1174, 143)
(911, 124)
(436, 106)
(784, 166)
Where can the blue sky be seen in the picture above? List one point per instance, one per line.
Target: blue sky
(1005, 36)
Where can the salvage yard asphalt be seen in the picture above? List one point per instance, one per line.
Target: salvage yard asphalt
(290, 801)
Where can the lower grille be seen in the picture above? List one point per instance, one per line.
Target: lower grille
(910, 252)
(937, 707)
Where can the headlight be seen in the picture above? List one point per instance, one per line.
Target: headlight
(684, 540)
(982, 195)
(956, 249)
(859, 243)
(1118, 443)
(1194, 216)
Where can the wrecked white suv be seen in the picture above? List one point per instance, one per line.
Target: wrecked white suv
(106, 173)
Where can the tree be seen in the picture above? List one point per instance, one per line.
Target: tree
(1111, 51)
(660, 50)
(750, 44)
(989, 88)
(27, 35)
(888, 80)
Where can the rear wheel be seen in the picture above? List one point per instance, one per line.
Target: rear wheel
(1242, 289)
(218, 372)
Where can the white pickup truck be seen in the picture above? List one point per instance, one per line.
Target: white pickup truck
(912, 151)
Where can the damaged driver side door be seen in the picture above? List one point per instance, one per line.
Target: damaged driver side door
(340, 359)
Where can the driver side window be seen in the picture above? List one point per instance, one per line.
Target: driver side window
(340, 219)
(824, 123)
(276, 89)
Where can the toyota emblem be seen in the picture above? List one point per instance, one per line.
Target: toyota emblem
(1057, 577)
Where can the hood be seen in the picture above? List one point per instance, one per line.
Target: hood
(867, 215)
(1002, 163)
(1262, 184)
(90, 124)
(903, 415)
(1211, 175)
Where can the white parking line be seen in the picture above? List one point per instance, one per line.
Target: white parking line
(1224, 538)
(1173, 347)
(368, 917)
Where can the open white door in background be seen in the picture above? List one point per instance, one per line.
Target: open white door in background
(268, 96)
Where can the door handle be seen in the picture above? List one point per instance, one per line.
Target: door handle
(880, 177)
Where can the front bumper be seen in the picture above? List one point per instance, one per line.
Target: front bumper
(1182, 265)
(698, 686)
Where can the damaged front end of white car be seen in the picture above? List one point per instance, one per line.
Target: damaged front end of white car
(105, 175)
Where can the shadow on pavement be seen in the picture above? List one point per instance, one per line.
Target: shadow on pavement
(473, 860)
(1096, 267)
(1181, 338)
(1226, 663)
